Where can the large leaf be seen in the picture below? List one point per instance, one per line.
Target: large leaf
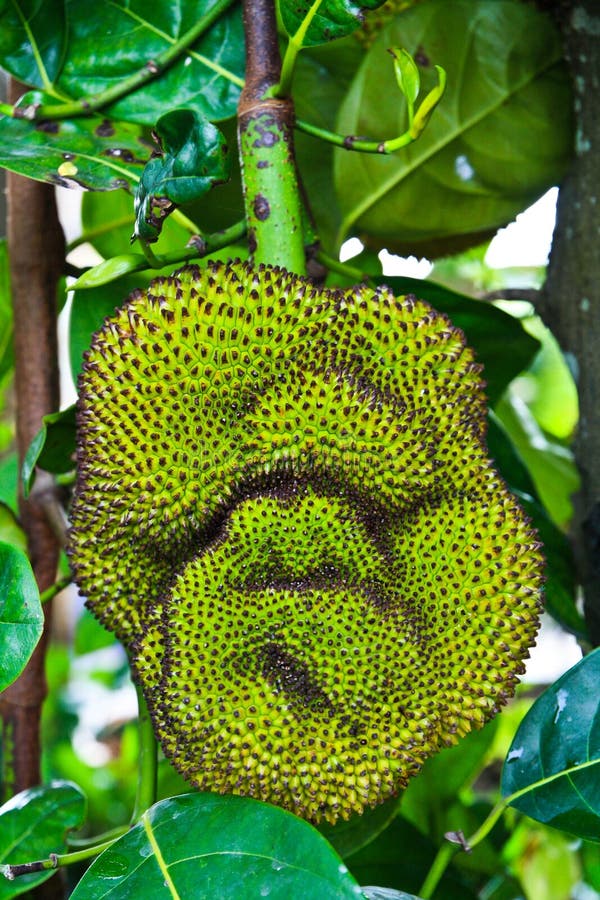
(120, 38)
(21, 616)
(89, 152)
(312, 22)
(500, 137)
(33, 39)
(552, 770)
(53, 447)
(321, 80)
(193, 157)
(200, 845)
(488, 330)
(34, 824)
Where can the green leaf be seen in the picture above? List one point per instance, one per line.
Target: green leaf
(499, 138)
(560, 571)
(89, 152)
(121, 37)
(10, 529)
(193, 158)
(407, 75)
(32, 40)
(488, 330)
(21, 616)
(317, 22)
(360, 829)
(34, 824)
(220, 846)
(9, 480)
(110, 271)
(430, 793)
(400, 858)
(552, 770)
(549, 462)
(53, 447)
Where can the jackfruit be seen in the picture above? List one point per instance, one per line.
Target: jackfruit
(286, 512)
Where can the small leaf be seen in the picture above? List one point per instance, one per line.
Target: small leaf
(312, 22)
(499, 138)
(553, 765)
(34, 824)
(53, 447)
(193, 158)
(21, 616)
(407, 75)
(198, 845)
(32, 40)
(110, 270)
(90, 152)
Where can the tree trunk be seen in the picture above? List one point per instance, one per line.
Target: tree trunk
(36, 251)
(572, 291)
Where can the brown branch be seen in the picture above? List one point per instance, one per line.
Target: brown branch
(36, 250)
(571, 300)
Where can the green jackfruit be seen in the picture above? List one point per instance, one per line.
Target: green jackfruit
(286, 512)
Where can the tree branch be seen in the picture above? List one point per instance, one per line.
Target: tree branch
(571, 296)
(36, 250)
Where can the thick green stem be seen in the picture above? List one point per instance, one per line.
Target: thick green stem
(265, 127)
(148, 760)
(55, 861)
(439, 866)
(152, 68)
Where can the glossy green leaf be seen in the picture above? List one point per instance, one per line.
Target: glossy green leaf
(348, 836)
(560, 572)
(90, 152)
(34, 824)
(311, 22)
(6, 317)
(33, 40)
(489, 330)
(120, 38)
(199, 845)
(400, 858)
(9, 480)
(109, 271)
(499, 138)
(552, 770)
(53, 447)
(191, 159)
(21, 617)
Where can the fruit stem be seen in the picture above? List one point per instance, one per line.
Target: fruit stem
(146, 786)
(265, 134)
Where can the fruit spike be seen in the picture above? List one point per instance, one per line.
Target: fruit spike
(285, 511)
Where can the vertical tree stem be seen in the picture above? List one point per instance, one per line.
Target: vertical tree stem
(36, 250)
(265, 131)
(571, 301)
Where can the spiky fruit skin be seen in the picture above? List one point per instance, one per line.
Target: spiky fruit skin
(286, 512)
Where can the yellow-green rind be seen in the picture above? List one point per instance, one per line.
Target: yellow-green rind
(286, 511)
